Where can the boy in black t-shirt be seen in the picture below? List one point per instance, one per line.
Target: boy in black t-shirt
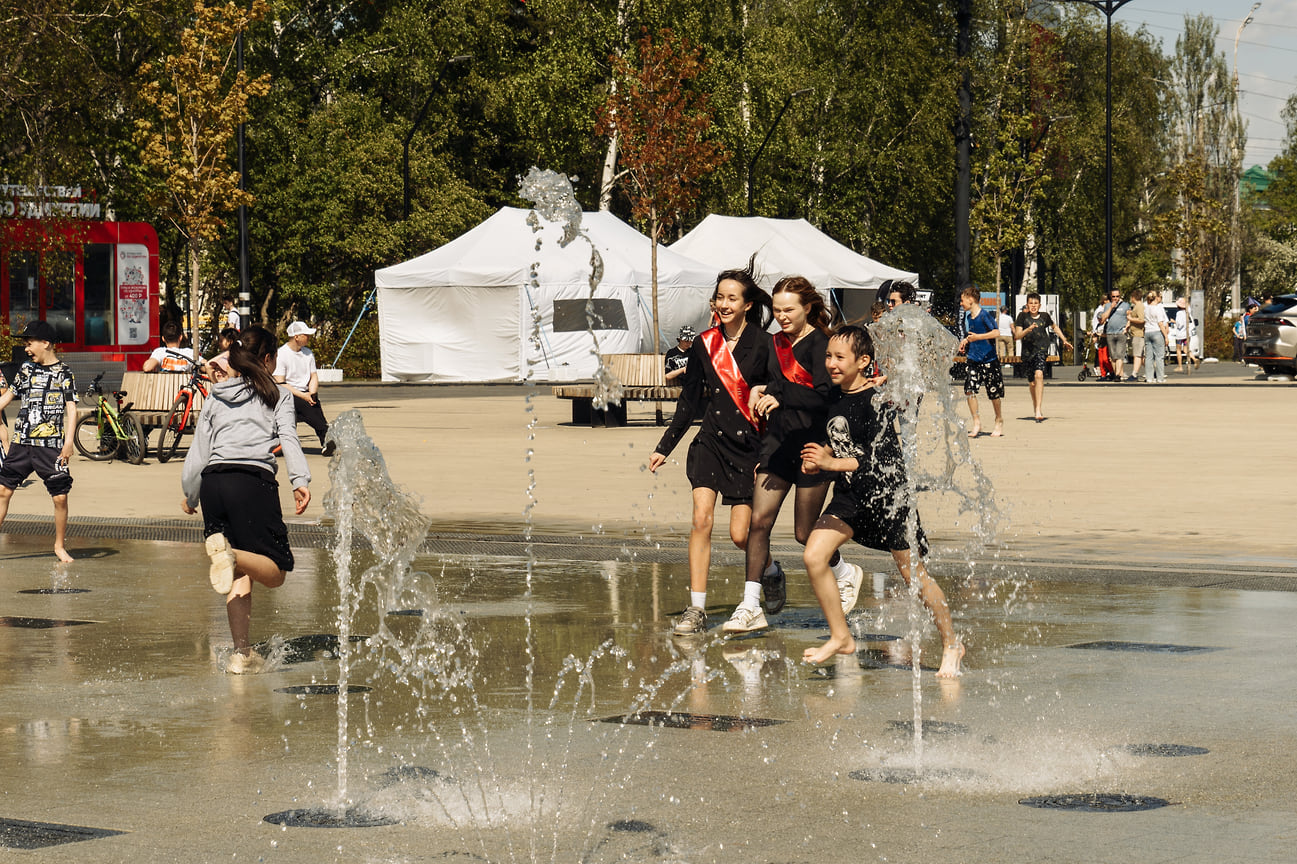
(43, 432)
(677, 358)
(870, 500)
(1033, 328)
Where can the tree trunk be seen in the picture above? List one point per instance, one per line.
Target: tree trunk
(609, 170)
(653, 259)
(195, 295)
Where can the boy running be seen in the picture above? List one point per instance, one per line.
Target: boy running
(42, 434)
(1033, 328)
(982, 366)
(869, 499)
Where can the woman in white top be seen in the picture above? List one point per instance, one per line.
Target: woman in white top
(1182, 332)
(1155, 335)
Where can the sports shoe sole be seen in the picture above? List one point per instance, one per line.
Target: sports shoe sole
(222, 569)
(852, 593)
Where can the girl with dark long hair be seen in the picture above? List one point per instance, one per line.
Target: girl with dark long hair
(725, 363)
(230, 470)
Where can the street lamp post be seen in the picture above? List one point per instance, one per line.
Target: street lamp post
(245, 287)
(1108, 8)
(791, 96)
(1236, 291)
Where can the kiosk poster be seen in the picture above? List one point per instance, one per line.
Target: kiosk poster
(132, 294)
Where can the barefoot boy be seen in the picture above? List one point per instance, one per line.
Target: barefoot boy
(43, 433)
(868, 503)
(982, 367)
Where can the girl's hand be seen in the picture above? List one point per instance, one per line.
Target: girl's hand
(185, 508)
(301, 498)
(765, 405)
(755, 395)
(655, 462)
(816, 456)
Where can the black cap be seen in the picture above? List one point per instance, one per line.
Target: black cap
(41, 331)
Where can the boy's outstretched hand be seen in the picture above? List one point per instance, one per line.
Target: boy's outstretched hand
(301, 498)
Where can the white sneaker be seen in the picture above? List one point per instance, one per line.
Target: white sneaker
(745, 619)
(849, 587)
(222, 571)
(245, 664)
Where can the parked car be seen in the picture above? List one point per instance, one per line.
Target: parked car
(1272, 336)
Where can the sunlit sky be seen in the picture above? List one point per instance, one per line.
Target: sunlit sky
(1267, 56)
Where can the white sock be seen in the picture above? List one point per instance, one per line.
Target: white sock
(698, 598)
(771, 570)
(752, 595)
(841, 569)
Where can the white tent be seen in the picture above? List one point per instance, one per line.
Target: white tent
(506, 302)
(784, 247)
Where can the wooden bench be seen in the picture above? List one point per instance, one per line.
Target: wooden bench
(150, 395)
(643, 379)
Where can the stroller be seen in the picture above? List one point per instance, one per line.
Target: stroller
(1101, 368)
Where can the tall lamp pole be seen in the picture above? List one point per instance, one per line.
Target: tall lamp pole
(245, 283)
(791, 96)
(1236, 291)
(1108, 8)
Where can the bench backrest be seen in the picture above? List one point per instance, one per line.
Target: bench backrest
(155, 391)
(636, 370)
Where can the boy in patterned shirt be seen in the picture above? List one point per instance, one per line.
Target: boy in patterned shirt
(42, 440)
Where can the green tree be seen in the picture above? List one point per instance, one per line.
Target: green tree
(199, 100)
(662, 127)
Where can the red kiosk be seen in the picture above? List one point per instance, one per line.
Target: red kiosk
(96, 282)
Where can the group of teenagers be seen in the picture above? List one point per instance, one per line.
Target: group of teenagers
(802, 409)
(248, 418)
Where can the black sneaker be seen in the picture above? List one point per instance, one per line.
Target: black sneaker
(774, 592)
(328, 449)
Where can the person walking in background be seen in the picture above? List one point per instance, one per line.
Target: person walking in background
(230, 471)
(1115, 321)
(1136, 329)
(1240, 337)
(1004, 340)
(1033, 327)
(43, 433)
(295, 369)
(1182, 332)
(982, 367)
(725, 363)
(231, 317)
(1155, 335)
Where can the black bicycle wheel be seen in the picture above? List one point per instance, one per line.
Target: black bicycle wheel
(90, 444)
(133, 445)
(169, 436)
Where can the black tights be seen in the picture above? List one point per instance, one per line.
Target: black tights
(767, 498)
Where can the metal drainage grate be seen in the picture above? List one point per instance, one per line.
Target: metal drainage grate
(320, 689)
(322, 818)
(54, 591)
(1144, 647)
(909, 775)
(1165, 750)
(930, 727)
(38, 623)
(686, 720)
(19, 834)
(881, 658)
(1096, 802)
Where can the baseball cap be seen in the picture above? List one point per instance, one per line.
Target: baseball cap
(686, 334)
(298, 328)
(41, 331)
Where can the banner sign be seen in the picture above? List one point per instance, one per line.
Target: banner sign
(132, 294)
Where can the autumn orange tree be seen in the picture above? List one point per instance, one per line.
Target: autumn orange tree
(662, 124)
(198, 100)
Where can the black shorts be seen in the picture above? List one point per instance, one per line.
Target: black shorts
(1033, 362)
(984, 374)
(242, 503)
(784, 460)
(874, 525)
(23, 459)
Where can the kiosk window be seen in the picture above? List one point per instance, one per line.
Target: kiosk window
(100, 316)
(24, 289)
(60, 296)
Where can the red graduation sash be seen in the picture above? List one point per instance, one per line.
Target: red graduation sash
(727, 369)
(788, 364)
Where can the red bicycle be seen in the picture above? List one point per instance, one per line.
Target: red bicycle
(182, 411)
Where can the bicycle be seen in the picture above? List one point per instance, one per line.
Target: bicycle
(110, 430)
(181, 413)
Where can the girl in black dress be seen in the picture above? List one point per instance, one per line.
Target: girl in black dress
(794, 406)
(725, 362)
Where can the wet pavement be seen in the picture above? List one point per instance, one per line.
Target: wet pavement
(115, 713)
